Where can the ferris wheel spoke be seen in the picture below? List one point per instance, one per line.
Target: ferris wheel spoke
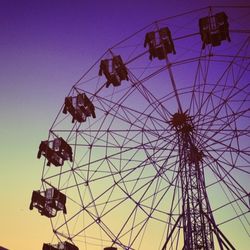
(230, 118)
(224, 141)
(225, 149)
(220, 156)
(228, 68)
(231, 183)
(232, 203)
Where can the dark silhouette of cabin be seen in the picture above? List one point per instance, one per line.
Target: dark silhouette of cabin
(60, 246)
(48, 202)
(160, 43)
(114, 70)
(80, 107)
(55, 151)
(214, 29)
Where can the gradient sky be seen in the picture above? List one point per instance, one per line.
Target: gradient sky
(45, 46)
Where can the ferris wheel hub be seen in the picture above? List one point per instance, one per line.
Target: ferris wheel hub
(182, 122)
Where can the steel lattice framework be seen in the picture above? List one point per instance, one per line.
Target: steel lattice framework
(150, 149)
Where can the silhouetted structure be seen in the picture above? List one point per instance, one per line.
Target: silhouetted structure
(2, 248)
(160, 43)
(153, 150)
(214, 29)
(114, 70)
(80, 107)
(56, 151)
(60, 246)
(49, 202)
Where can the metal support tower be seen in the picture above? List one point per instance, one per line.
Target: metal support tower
(198, 223)
(196, 210)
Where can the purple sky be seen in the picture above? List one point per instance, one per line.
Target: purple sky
(45, 46)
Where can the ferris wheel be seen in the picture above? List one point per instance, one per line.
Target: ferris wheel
(150, 149)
